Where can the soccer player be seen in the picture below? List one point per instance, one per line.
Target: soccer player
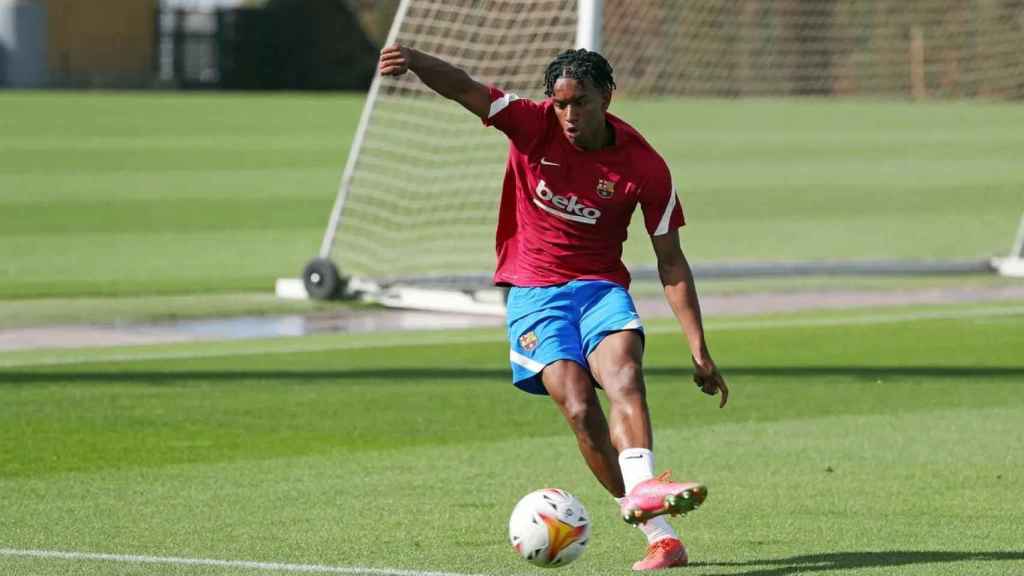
(574, 176)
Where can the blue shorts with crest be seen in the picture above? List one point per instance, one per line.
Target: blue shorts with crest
(564, 322)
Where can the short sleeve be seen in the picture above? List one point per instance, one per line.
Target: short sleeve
(521, 119)
(659, 201)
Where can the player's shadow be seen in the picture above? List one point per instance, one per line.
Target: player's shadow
(834, 561)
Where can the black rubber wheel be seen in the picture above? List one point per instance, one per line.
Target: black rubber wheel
(321, 279)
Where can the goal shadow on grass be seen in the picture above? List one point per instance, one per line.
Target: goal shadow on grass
(825, 562)
(385, 376)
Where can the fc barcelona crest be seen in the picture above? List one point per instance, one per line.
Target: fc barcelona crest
(529, 341)
(605, 188)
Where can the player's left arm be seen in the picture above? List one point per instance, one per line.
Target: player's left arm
(681, 293)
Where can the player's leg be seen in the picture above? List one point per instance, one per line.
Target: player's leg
(570, 386)
(616, 364)
(546, 354)
(614, 341)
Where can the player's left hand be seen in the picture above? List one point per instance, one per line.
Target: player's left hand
(709, 379)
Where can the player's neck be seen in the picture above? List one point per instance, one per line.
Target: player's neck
(604, 139)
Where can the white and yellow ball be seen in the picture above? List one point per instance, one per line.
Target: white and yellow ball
(549, 528)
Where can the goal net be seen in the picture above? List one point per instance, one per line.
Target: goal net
(782, 48)
(419, 197)
(421, 201)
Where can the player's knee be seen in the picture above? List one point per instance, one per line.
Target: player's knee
(583, 414)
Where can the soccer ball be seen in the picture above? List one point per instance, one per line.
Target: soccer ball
(549, 528)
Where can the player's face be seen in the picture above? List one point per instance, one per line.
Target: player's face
(580, 107)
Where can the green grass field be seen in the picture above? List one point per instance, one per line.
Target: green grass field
(855, 443)
(122, 194)
(146, 194)
(874, 441)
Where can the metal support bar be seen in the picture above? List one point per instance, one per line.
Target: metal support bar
(589, 23)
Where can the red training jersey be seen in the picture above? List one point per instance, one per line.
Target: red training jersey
(565, 211)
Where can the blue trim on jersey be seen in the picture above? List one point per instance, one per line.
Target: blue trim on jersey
(564, 322)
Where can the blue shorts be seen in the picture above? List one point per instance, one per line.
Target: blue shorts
(564, 322)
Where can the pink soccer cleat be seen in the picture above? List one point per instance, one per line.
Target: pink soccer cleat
(660, 495)
(665, 553)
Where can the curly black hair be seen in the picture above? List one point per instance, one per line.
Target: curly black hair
(579, 65)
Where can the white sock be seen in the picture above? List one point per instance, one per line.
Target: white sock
(637, 465)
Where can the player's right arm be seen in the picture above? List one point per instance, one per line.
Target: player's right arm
(443, 78)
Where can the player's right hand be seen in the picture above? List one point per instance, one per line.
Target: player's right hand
(709, 380)
(394, 60)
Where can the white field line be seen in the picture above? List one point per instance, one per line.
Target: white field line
(245, 564)
(420, 339)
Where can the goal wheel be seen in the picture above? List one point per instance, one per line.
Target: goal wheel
(321, 279)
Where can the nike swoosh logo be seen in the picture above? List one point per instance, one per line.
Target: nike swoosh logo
(633, 457)
(545, 162)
